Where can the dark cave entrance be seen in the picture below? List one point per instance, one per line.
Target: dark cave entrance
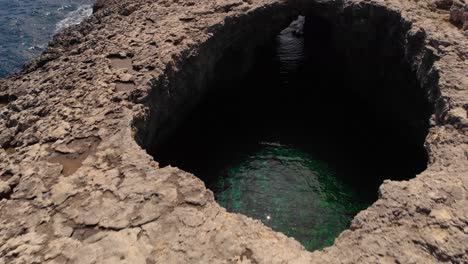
(303, 140)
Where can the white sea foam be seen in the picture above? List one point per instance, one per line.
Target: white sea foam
(75, 17)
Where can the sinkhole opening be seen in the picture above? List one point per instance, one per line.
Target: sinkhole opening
(303, 139)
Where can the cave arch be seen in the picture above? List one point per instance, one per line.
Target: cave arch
(369, 48)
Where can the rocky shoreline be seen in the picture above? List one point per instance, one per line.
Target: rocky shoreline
(77, 186)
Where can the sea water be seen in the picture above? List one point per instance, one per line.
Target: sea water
(26, 26)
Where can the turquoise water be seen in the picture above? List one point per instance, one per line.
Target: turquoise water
(26, 26)
(290, 191)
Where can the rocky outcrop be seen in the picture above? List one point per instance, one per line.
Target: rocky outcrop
(458, 10)
(76, 187)
(459, 14)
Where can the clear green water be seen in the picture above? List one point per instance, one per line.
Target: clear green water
(290, 191)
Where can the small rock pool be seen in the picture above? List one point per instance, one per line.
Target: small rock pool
(291, 144)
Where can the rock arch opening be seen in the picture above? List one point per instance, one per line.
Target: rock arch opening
(297, 127)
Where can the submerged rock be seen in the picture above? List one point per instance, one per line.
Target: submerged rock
(296, 27)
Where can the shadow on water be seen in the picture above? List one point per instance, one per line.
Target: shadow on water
(293, 144)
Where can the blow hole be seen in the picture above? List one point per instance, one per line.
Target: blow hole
(303, 140)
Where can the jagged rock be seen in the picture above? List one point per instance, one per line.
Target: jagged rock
(100, 4)
(443, 4)
(459, 14)
(5, 137)
(5, 190)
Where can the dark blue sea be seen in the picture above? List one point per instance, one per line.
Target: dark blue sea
(26, 26)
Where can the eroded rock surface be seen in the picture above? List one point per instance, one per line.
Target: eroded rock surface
(75, 187)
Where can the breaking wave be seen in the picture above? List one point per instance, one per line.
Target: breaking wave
(75, 17)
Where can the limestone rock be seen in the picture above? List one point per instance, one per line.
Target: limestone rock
(5, 190)
(459, 13)
(443, 4)
(5, 137)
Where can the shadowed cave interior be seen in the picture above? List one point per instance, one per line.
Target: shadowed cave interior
(303, 139)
